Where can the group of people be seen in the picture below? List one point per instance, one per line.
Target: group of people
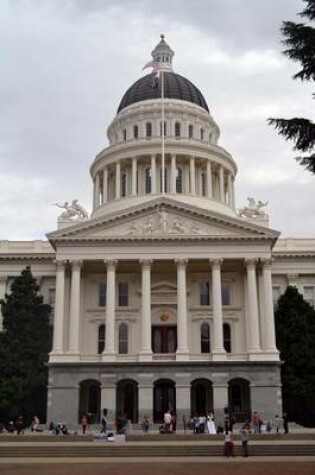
(258, 423)
(19, 426)
(200, 424)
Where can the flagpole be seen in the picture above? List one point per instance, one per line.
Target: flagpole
(163, 146)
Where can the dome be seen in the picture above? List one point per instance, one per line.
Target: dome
(175, 87)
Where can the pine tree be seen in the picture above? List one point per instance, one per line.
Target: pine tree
(24, 347)
(295, 331)
(300, 43)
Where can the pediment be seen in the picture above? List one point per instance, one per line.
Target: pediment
(163, 221)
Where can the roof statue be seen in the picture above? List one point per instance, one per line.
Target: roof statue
(253, 209)
(72, 211)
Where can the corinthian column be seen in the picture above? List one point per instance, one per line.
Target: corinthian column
(173, 173)
(209, 179)
(105, 185)
(59, 308)
(182, 352)
(145, 353)
(221, 180)
(218, 352)
(117, 182)
(252, 302)
(109, 352)
(269, 324)
(153, 174)
(134, 176)
(75, 299)
(192, 176)
(96, 198)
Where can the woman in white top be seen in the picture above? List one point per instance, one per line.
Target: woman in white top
(211, 424)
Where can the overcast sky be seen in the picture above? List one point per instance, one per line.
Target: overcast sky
(65, 64)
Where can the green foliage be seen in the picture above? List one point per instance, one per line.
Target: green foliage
(295, 331)
(24, 345)
(300, 43)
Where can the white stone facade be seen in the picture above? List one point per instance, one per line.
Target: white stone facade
(163, 297)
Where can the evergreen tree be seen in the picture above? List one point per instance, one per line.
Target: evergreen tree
(295, 331)
(24, 347)
(300, 43)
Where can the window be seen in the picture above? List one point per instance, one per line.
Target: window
(227, 337)
(102, 294)
(125, 135)
(148, 180)
(276, 292)
(226, 293)
(123, 294)
(135, 131)
(101, 338)
(203, 183)
(179, 180)
(205, 338)
(124, 184)
(190, 131)
(201, 134)
(123, 339)
(177, 129)
(148, 129)
(164, 129)
(308, 294)
(204, 293)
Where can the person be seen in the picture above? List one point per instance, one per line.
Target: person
(145, 424)
(53, 428)
(173, 421)
(167, 421)
(35, 424)
(19, 425)
(104, 422)
(211, 424)
(285, 423)
(277, 423)
(268, 427)
(84, 423)
(10, 427)
(244, 437)
(229, 444)
(255, 422)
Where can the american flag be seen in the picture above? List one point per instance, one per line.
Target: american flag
(152, 64)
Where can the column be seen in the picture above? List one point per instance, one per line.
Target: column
(221, 184)
(145, 354)
(252, 302)
(230, 189)
(218, 352)
(145, 395)
(109, 352)
(75, 300)
(192, 176)
(59, 308)
(108, 397)
(182, 352)
(3, 287)
(173, 174)
(96, 198)
(117, 180)
(269, 324)
(209, 179)
(153, 174)
(134, 176)
(105, 185)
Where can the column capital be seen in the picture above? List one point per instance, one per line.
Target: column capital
(250, 262)
(266, 262)
(146, 263)
(60, 263)
(111, 263)
(215, 262)
(78, 263)
(181, 263)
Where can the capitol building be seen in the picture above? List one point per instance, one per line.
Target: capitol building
(164, 296)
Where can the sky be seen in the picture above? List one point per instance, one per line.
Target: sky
(65, 65)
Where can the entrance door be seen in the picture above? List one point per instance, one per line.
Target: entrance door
(164, 338)
(164, 399)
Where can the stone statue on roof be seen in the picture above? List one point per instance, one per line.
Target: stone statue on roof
(72, 211)
(253, 209)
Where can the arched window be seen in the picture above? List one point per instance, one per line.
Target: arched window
(124, 184)
(101, 338)
(227, 337)
(177, 129)
(201, 134)
(125, 135)
(148, 180)
(190, 131)
(135, 131)
(164, 129)
(148, 129)
(179, 180)
(123, 339)
(205, 338)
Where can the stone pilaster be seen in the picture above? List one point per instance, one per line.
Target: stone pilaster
(182, 352)
(108, 397)
(145, 394)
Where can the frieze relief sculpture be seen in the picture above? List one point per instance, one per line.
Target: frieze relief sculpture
(73, 211)
(253, 209)
(163, 223)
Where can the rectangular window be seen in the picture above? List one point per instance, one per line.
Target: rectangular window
(276, 292)
(226, 293)
(102, 294)
(123, 294)
(204, 293)
(308, 294)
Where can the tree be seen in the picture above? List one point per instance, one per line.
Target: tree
(24, 347)
(300, 43)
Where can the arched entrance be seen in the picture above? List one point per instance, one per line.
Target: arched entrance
(127, 399)
(201, 397)
(239, 399)
(90, 399)
(164, 398)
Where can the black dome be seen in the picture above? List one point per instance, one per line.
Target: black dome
(175, 87)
